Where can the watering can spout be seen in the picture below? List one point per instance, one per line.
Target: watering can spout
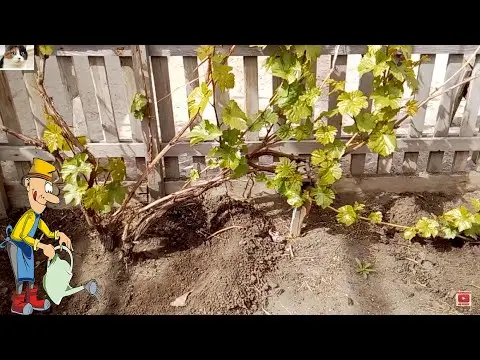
(70, 291)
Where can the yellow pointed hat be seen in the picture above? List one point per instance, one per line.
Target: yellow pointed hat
(41, 169)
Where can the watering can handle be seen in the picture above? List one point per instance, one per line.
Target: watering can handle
(60, 247)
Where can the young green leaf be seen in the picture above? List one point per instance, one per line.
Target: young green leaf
(73, 193)
(53, 138)
(346, 215)
(139, 105)
(318, 157)
(358, 207)
(304, 131)
(264, 118)
(285, 132)
(336, 86)
(234, 117)
(326, 134)
(409, 233)
(367, 64)
(476, 204)
(460, 217)
(204, 131)
(382, 143)
(222, 76)
(426, 227)
(412, 107)
(285, 66)
(193, 175)
(365, 122)
(97, 199)
(286, 168)
(335, 150)
(473, 232)
(198, 100)
(329, 173)
(351, 103)
(45, 50)
(294, 199)
(323, 196)
(375, 217)
(298, 111)
(116, 193)
(74, 167)
(205, 51)
(448, 232)
(312, 51)
(241, 169)
(117, 169)
(261, 177)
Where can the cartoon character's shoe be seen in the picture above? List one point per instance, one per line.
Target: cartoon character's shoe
(37, 304)
(20, 305)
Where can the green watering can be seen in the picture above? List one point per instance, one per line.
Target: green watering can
(56, 281)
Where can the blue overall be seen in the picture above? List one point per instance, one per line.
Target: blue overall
(25, 264)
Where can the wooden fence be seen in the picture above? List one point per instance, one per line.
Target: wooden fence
(93, 86)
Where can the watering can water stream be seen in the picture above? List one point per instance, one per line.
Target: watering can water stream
(56, 281)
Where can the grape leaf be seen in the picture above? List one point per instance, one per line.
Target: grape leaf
(222, 76)
(382, 143)
(375, 217)
(298, 111)
(45, 50)
(286, 168)
(460, 217)
(138, 107)
(448, 232)
(293, 198)
(267, 117)
(304, 131)
(116, 193)
(329, 173)
(82, 140)
(473, 231)
(411, 107)
(323, 196)
(74, 167)
(234, 117)
(97, 199)
(312, 51)
(205, 51)
(365, 122)
(117, 169)
(335, 150)
(351, 103)
(328, 114)
(198, 100)
(346, 215)
(204, 131)
(358, 207)
(336, 86)
(73, 193)
(241, 169)
(286, 66)
(326, 134)
(285, 132)
(287, 95)
(426, 227)
(409, 233)
(350, 129)
(367, 64)
(318, 157)
(53, 138)
(476, 204)
(382, 101)
(193, 175)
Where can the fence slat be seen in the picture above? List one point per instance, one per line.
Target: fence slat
(469, 121)
(357, 162)
(143, 80)
(165, 111)
(102, 94)
(36, 102)
(250, 66)
(4, 204)
(425, 75)
(435, 159)
(55, 89)
(190, 68)
(338, 75)
(69, 79)
(86, 90)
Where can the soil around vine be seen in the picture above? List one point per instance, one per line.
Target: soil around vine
(217, 255)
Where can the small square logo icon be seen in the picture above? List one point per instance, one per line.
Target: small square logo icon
(463, 298)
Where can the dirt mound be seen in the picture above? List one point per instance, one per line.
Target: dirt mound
(222, 253)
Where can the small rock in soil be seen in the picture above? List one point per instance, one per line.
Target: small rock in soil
(427, 265)
(273, 285)
(350, 301)
(253, 279)
(451, 294)
(411, 295)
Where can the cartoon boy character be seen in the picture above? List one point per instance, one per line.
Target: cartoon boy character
(22, 244)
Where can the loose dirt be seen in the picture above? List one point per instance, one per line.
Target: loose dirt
(217, 255)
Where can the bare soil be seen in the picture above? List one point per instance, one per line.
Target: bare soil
(232, 257)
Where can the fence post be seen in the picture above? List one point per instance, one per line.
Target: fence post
(143, 80)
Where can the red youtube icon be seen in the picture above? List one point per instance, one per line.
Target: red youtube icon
(463, 298)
